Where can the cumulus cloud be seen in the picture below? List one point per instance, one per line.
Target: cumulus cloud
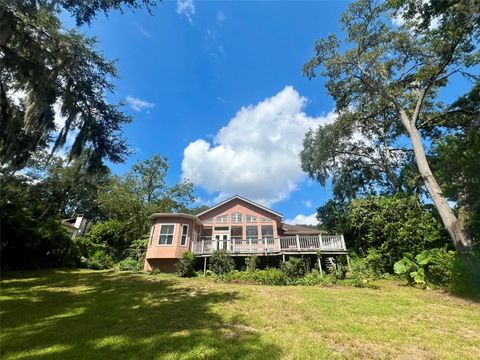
(303, 220)
(139, 104)
(307, 203)
(187, 8)
(256, 154)
(221, 17)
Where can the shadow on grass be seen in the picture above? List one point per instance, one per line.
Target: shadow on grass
(84, 315)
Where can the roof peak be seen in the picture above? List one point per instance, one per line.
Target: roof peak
(243, 199)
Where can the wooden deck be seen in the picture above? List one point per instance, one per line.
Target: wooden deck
(325, 244)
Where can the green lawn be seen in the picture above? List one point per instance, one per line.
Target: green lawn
(107, 315)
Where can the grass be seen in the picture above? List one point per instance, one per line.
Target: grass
(107, 315)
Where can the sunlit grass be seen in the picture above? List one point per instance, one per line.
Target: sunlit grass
(107, 315)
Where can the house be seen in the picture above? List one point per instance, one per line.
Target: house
(76, 226)
(238, 226)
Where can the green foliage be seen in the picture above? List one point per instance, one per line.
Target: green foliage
(294, 268)
(413, 267)
(29, 237)
(264, 277)
(107, 235)
(251, 262)
(392, 226)
(99, 260)
(128, 264)
(221, 262)
(185, 267)
(316, 278)
(466, 276)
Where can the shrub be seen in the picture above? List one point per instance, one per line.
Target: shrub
(263, 277)
(339, 272)
(186, 265)
(441, 267)
(316, 278)
(221, 262)
(294, 268)
(251, 263)
(413, 267)
(393, 225)
(466, 276)
(128, 264)
(99, 261)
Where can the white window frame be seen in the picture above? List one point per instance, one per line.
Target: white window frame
(160, 234)
(237, 218)
(221, 218)
(251, 219)
(152, 230)
(186, 235)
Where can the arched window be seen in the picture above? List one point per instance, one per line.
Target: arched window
(237, 217)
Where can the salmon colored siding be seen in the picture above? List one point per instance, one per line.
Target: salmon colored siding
(244, 208)
(164, 257)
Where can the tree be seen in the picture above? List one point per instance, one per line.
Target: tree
(132, 198)
(67, 188)
(54, 83)
(382, 67)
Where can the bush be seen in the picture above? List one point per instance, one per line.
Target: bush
(128, 264)
(441, 267)
(251, 263)
(99, 261)
(393, 225)
(316, 278)
(221, 262)
(294, 268)
(263, 277)
(186, 265)
(339, 272)
(466, 276)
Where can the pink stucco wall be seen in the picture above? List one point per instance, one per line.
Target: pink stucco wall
(175, 250)
(239, 206)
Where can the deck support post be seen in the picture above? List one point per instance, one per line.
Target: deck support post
(283, 257)
(348, 263)
(204, 266)
(320, 264)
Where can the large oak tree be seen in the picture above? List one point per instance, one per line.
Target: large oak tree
(394, 60)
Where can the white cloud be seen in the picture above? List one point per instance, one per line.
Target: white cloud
(303, 220)
(187, 8)
(141, 30)
(307, 203)
(221, 17)
(139, 104)
(256, 154)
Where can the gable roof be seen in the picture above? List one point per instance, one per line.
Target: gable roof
(243, 199)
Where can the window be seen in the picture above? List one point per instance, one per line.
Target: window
(165, 237)
(251, 219)
(236, 232)
(206, 233)
(237, 217)
(152, 229)
(222, 228)
(265, 219)
(267, 231)
(252, 232)
(184, 238)
(222, 219)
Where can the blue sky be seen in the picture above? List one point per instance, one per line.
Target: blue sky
(217, 88)
(186, 75)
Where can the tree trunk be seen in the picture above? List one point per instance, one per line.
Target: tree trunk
(461, 241)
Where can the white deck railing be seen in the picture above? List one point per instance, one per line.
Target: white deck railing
(271, 245)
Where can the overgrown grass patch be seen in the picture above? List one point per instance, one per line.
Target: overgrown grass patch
(101, 314)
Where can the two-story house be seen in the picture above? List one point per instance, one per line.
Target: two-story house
(238, 226)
